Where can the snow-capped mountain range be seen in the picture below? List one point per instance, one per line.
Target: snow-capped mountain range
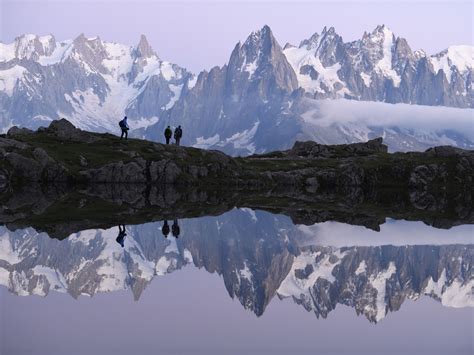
(264, 98)
(258, 255)
(91, 82)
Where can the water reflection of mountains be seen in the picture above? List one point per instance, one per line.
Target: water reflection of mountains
(260, 255)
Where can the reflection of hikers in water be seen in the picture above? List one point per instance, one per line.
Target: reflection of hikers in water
(178, 133)
(121, 236)
(124, 126)
(165, 229)
(168, 134)
(175, 229)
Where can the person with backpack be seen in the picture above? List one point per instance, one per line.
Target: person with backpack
(168, 134)
(178, 133)
(124, 126)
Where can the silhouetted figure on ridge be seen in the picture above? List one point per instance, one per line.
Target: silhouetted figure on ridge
(175, 229)
(121, 236)
(178, 133)
(168, 134)
(165, 229)
(124, 126)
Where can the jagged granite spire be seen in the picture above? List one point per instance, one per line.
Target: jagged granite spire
(143, 48)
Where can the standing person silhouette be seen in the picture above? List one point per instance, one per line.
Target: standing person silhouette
(165, 229)
(124, 126)
(168, 134)
(121, 236)
(175, 229)
(178, 133)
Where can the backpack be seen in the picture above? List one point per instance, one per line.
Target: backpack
(122, 124)
(178, 133)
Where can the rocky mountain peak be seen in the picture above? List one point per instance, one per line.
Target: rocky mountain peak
(328, 31)
(329, 46)
(380, 34)
(89, 53)
(81, 38)
(311, 42)
(143, 48)
(261, 57)
(29, 46)
(259, 43)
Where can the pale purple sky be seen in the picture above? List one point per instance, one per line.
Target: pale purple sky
(201, 34)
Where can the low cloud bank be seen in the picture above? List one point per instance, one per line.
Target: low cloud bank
(380, 114)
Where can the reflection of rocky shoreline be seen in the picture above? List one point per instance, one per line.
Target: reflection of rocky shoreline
(60, 210)
(258, 256)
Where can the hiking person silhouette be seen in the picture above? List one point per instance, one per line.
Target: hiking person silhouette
(175, 229)
(178, 133)
(124, 126)
(121, 236)
(168, 134)
(165, 229)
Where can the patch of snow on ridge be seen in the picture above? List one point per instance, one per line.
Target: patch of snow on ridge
(294, 286)
(113, 272)
(119, 60)
(460, 56)
(9, 78)
(299, 57)
(56, 280)
(206, 143)
(361, 268)
(366, 78)
(168, 71)
(456, 295)
(242, 140)
(192, 82)
(176, 90)
(7, 52)
(4, 277)
(379, 283)
(7, 252)
(246, 273)
(250, 68)
(60, 53)
(251, 213)
(384, 65)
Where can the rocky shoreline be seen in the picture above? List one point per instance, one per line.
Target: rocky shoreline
(63, 153)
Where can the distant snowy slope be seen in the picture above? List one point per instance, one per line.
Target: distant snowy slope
(91, 82)
(382, 67)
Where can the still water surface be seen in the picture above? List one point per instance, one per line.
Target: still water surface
(244, 282)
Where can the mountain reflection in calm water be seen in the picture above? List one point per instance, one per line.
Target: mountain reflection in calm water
(260, 256)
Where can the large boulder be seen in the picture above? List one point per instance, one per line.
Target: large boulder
(312, 149)
(17, 131)
(65, 130)
(444, 151)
